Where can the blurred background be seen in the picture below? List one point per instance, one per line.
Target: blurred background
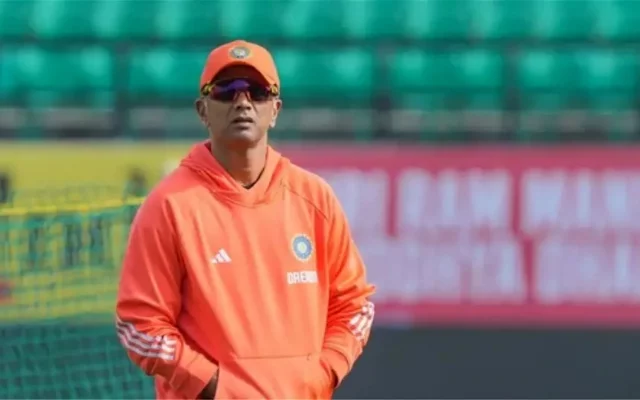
(484, 150)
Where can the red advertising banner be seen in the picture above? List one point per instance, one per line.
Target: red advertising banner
(491, 235)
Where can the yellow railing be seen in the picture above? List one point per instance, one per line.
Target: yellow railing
(10, 211)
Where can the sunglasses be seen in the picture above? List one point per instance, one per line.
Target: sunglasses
(228, 90)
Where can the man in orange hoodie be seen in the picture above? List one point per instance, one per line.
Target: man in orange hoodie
(241, 278)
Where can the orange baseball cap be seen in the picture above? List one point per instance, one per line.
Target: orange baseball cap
(240, 52)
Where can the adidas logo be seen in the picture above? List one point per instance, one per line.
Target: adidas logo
(221, 257)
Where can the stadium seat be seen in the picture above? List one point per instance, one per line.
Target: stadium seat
(585, 69)
(603, 70)
(339, 75)
(66, 70)
(10, 73)
(130, 19)
(422, 19)
(311, 19)
(433, 85)
(322, 63)
(548, 70)
(64, 19)
(600, 81)
(451, 70)
(609, 79)
(179, 19)
(502, 19)
(40, 80)
(165, 72)
(15, 18)
(563, 19)
(261, 21)
(617, 19)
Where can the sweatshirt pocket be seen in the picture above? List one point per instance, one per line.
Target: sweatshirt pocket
(297, 377)
(318, 380)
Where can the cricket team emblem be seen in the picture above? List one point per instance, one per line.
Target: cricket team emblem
(302, 247)
(239, 52)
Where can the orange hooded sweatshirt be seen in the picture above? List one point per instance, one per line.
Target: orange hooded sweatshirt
(263, 286)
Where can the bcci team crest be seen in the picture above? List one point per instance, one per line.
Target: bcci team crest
(302, 247)
(240, 52)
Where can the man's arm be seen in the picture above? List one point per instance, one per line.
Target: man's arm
(149, 301)
(350, 310)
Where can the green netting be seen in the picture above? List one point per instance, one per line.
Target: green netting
(60, 253)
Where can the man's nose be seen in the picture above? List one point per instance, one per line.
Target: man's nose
(242, 100)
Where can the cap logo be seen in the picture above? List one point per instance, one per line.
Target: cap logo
(239, 52)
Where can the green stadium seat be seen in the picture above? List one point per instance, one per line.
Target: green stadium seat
(130, 19)
(610, 81)
(579, 70)
(344, 19)
(502, 19)
(440, 83)
(71, 70)
(292, 19)
(64, 19)
(164, 72)
(548, 70)
(259, 21)
(40, 80)
(448, 19)
(308, 19)
(450, 70)
(601, 81)
(183, 19)
(10, 73)
(420, 19)
(340, 75)
(602, 70)
(563, 19)
(495, 19)
(617, 19)
(15, 18)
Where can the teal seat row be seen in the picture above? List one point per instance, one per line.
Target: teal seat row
(306, 19)
(318, 72)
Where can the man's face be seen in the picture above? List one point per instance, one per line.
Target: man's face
(238, 121)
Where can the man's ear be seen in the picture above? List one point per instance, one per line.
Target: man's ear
(277, 106)
(201, 109)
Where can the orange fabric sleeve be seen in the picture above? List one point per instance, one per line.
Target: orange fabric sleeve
(351, 312)
(149, 301)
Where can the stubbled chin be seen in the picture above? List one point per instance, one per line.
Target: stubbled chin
(241, 137)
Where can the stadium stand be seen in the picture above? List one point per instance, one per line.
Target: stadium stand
(423, 69)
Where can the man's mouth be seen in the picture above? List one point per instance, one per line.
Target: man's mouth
(242, 120)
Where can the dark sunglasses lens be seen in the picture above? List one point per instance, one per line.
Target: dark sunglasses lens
(258, 93)
(223, 96)
(227, 90)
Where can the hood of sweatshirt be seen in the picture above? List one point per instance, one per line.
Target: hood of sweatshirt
(203, 163)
